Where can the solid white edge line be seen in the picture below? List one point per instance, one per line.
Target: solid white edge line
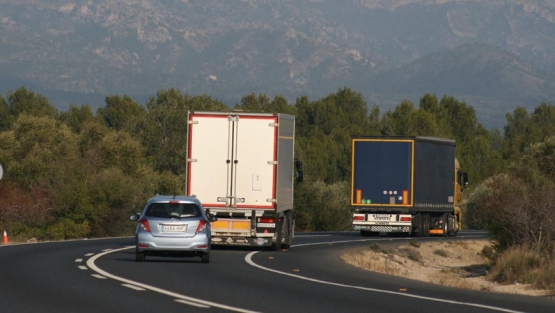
(133, 287)
(192, 303)
(92, 266)
(98, 276)
(249, 260)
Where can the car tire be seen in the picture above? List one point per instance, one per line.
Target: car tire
(205, 258)
(140, 256)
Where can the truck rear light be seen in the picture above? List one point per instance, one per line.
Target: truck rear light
(405, 219)
(201, 226)
(266, 220)
(144, 225)
(358, 218)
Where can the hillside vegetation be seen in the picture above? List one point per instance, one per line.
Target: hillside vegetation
(497, 55)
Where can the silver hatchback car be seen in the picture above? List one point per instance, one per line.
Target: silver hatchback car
(173, 226)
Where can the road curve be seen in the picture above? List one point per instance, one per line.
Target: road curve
(101, 275)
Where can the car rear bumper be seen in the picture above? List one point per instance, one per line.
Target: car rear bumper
(199, 243)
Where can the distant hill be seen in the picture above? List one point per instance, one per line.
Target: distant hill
(494, 55)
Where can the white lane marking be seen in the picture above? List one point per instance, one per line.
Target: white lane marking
(82, 267)
(98, 276)
(92, 266)
(106, 250)
(306, 236)
(249, 260)
(133, 287)
(89, 254)
(78, 260)
(191, 303)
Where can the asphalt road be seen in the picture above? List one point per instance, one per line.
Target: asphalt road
(102, 276)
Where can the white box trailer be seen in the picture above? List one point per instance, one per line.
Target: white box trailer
(241, 167)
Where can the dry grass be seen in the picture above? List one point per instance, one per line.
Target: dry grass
(454, 263)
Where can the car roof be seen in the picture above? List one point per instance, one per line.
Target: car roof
(165, 198)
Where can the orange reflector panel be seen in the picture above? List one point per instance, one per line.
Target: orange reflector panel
(220, 225)
(436, 231)
(405, 197)
(359, 196)
(241, 225)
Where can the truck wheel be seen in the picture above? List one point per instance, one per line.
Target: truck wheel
(427, 225)
(279, 233)
(424, 225)
(287, 231)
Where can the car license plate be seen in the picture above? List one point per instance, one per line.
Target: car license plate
(173, 228)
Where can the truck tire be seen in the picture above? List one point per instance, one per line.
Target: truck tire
(426, 225)
(423, 225)
(279, 234)
(288, 229)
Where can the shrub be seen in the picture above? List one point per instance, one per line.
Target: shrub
(322, 207)
(516, 264)
(441, 252)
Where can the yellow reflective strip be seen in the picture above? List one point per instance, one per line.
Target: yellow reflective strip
(243, 225)
(436, 231)
(220, 225)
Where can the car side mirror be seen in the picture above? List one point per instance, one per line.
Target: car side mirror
(212, 217)
(135, 217)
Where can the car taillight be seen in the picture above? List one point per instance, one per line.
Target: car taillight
(201, 226)
(266, 220)
(358, 218)
(405, 219)
(144, 225)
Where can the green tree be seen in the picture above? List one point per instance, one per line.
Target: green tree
(5, 116)
(542, 123)
(205, 103)
(76, 117)
(515, 133)
(165, 135)
(324, 129)
(122, 113)
(23, 101)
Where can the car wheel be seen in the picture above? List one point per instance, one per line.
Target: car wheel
(140, 256)
(205, 258)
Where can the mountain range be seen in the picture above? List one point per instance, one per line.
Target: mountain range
(494, 55)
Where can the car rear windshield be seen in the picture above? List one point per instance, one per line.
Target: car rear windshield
(170, 210)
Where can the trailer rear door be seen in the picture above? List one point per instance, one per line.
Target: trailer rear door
(231, 160)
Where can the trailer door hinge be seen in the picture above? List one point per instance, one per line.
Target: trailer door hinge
(270, 200)
(191, 160)
(273, 162)
(273, 124)
(192, 122)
